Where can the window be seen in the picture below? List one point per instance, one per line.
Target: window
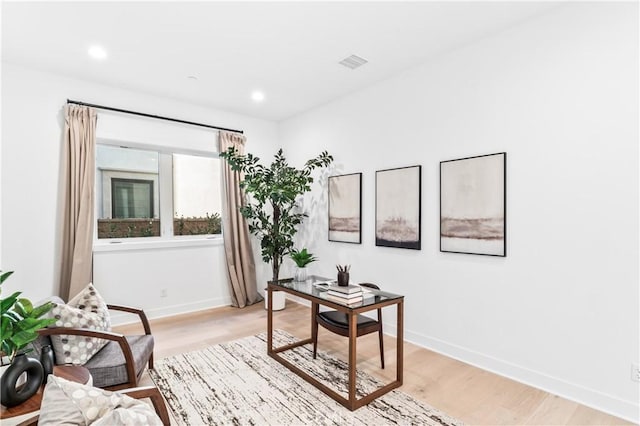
(196, 195)
(131, 198)
(147, 193)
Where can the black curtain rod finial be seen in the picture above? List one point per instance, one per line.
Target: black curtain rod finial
(159, 117)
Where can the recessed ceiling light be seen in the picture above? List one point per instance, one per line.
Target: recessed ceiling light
(257, 96)
(97, 52)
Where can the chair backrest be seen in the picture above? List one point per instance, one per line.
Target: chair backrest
(369, 285)
(375, 287)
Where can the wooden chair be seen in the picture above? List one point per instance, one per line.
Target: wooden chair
(338, 322)
(120, 363)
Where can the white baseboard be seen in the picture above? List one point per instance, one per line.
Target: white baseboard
(121, 318)
(628, 410)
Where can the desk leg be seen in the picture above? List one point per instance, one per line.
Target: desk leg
(353, 334)
(400, 341)
(269, 320)
(315, 310)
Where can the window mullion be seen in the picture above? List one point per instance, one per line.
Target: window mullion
(166, 195)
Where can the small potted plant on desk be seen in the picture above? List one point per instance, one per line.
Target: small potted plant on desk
(302, 258)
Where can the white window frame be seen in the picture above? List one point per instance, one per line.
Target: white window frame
(165, 192)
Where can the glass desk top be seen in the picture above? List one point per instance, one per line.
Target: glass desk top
(317, 286)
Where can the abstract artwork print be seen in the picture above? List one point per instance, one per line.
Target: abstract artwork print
(345, 208)
(398, 207)
(473, 205)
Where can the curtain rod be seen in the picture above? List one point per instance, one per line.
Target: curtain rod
(159, 117)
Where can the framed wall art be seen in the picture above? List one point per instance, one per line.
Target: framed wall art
(345, 208)
(473, 208)
(398, 207)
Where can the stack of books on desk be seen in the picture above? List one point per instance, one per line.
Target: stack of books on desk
(345, 294)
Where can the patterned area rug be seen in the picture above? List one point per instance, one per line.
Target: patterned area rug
(238, 383)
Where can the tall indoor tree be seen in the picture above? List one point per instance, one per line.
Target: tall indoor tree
(271, 207)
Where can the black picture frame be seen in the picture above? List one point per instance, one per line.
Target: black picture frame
(473, 205)
(345, 208)
(399, 207)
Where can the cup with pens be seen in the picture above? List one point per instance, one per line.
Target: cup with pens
(343, 275)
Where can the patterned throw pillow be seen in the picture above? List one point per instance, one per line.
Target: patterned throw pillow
(86, 310)
(70, 403)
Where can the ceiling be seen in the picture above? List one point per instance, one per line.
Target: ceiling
(288, 50)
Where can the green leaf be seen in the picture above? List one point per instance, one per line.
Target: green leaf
(41, 310)
(7, 303)
(13, 316)
(5, 275)
(32, 324)
(23, 307)
(23, 338)
(7, 328)
(8, 347)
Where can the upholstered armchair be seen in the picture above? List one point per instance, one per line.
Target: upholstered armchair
(120, 363)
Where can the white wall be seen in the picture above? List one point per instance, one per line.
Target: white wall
(194, 277)
(32, 134)
(559, 94)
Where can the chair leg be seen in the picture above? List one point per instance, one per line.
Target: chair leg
(151, 361)
(381, 338)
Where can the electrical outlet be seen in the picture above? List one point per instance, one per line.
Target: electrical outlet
(635, 372)
(164, 292)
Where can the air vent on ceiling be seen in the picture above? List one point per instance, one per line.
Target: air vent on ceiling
(353, 62)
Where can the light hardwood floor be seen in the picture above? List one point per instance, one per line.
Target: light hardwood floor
(470, 394)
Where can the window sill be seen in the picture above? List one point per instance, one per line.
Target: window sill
(152, 243)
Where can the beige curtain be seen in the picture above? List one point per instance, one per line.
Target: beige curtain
(79, 162)
(241, 266)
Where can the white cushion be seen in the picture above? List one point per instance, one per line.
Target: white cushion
(85, 310)
(70, 403)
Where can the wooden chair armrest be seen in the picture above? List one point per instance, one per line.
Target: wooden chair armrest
(155, 396)
(132, 310)
(107, 335)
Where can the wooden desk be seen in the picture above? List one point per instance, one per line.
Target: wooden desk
(75, 373)
(306, 290)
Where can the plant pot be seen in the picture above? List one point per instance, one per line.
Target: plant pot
(12, 395)
(46, 359)
(278, 300)
(301, 275)
(3, 369)
(5, 366)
